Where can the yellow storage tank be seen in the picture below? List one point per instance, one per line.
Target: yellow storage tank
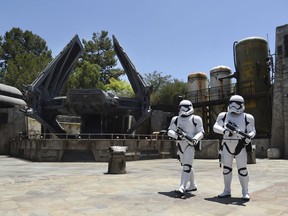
(251, 56)
(220, 88)
(198, 90)
(253, 83)
(197, 87)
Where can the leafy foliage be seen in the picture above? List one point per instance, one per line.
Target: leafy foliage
(86, 75)
(96, 67)
(157, 80)
(120, 88)
(100, 51)
(24, 69)
(23, 55)
(168, 93)
(164, 88)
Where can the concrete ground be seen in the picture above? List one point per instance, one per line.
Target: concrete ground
(68, 189)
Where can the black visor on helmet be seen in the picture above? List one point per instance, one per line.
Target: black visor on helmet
(186, 106)
(237, 102)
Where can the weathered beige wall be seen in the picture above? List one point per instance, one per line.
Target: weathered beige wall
(15, 124)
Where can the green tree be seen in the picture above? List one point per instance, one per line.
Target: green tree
(96, 68)
(86, 75)
(120, 88)
(169, 91)
(157, 80)
(23, 55)
(100, 51)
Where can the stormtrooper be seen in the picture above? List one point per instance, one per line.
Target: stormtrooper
(188, 130)
(237, 128)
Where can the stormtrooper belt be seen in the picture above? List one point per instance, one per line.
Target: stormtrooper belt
(238, 148)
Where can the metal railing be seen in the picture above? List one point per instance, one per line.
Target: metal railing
(246, 88)
(95, 136)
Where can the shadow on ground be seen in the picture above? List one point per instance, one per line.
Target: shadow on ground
(177, 194)
(227, 201)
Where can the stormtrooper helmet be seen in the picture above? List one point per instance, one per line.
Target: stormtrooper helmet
(236, 104)
(185, 108)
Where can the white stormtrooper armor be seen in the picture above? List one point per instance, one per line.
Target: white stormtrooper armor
(192, 126)
(233, 143)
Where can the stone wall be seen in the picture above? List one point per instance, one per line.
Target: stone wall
(70, 150)
(209, 149)
(279, 133)
(57, 150)
(261, 147)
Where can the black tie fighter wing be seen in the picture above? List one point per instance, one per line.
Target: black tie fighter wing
(140, 104)
(44, 92)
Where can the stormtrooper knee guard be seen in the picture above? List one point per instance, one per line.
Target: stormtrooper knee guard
(227, 174)
(244, 179)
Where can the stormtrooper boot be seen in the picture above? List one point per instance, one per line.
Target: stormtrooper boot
(193, 185)
(244, 184)
(245, 196)
(227, 186)
(184, 179)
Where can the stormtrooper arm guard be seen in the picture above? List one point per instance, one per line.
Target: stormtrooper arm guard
(198, 136)
(172, 129)
(173, 134)
(199, 129)
(251, 131)
(219, 124)
(250, 126)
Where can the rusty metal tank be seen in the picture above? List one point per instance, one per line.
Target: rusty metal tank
(220, 88)
(251, 56)
(253, 82)
(197, 87)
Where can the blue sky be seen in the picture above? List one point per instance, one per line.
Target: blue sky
(172, 37)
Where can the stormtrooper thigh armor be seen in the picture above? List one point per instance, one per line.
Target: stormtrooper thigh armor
(241, 161)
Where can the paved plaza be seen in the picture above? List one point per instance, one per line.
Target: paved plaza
(68, 189)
